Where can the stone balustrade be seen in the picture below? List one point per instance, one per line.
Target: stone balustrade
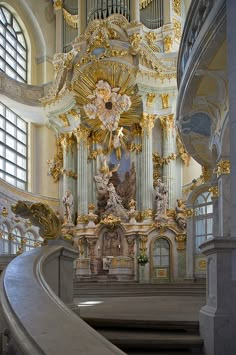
(34, 291)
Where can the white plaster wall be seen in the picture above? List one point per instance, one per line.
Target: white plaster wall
(193, 171)
(43, 148)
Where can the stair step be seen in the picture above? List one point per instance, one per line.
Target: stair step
(127, 324)
(163, 352)
(152, 339)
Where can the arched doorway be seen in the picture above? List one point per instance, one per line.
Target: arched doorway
(160, 260)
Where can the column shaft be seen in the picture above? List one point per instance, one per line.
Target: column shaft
(82, 182)
(146, 171)
(134, 10)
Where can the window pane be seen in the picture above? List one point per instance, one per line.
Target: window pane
(13, 159)
(13, 43)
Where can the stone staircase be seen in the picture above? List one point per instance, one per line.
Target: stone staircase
(131, 288)
(143, 333)
(151, 337)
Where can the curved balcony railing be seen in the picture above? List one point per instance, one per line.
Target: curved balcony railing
(202, 20)
(34, 291)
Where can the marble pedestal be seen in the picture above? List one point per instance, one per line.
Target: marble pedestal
(218, 316)
(121, 266)
(83, 267)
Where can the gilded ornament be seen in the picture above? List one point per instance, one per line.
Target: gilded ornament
(181, 239)
(142, 243)
(214, 191)
(147, 213)
(4, 212)
(206, 174)
(40, 215)
(69, 173)
(151, 37)
(133, 147)
(82, 219)
(144, 3)
(150, 99)
(55, 165)
(82, 133)
(168, 42)
(189, 212)
(135, 40)
(185, 157)
(167, 123)
(202, 264)
(177, 29)
(147, 122)
(222, 168)
(64, 119)
(162, 227)
(58, 4)
(165, 100)
(176, 6)
(111, 221)
(71, 20)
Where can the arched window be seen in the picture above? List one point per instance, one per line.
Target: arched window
(13, 148)
(16, 240)
(203, 219)
(4, 239)
(13, 48)
(29, 241)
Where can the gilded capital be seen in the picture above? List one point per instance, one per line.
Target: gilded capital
(214, 191)
(167, 123)
(82, 134)
(222, 168)
(147, 122)
(150, 99)
(165, 100)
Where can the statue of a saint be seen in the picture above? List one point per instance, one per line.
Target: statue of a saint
(68, 202)
(180, 214)
(161, 197)
(113, 199)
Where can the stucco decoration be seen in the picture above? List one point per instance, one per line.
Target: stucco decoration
(107, 104)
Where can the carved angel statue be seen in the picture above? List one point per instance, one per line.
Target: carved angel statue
(161, 197)
(68, 202)
(103, 178)
(180, 214)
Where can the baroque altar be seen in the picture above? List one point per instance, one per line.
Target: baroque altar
(112, 106)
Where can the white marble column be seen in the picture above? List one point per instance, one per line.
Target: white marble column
(147, 166)
(224, 200)
(134, 10)
(92, 171)
(190, 244)
(136, 157)
(169, 149)
(82, 172)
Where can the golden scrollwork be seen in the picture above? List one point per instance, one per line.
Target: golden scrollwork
(162, 227)
(189, 212)
(64, 119)
(147, 122)
(176, 6)
(177, 29)
(150, 99)
(135, 40)
(82, 219)
(167, 123)
(168, 42)
(147, 213)
(181, 239)
(222, 168)
(55, 165)
(69, 173)
(214, 191)
(133, 147)
(185, 157)
(202, 264)
(151, 37)
(71, 20)
(95, 153)
(68, 141)
(40, 215)
(206, 174)
(111, 221)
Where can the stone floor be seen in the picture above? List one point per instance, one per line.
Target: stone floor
(158, 308)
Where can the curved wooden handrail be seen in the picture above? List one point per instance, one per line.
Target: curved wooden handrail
(39, 322)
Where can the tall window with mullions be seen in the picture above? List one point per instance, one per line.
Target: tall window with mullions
(13, 148)
(13, 48)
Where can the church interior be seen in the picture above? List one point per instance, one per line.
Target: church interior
(116, 176)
